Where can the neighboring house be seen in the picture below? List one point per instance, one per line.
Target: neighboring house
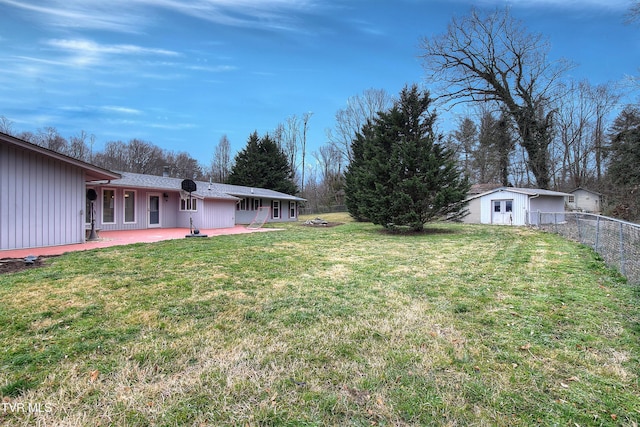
(137, 201)
(42, 195)
(513, 206)
(584, 200)
(44, 199)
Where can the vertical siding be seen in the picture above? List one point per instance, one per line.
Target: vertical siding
(217, 214)
(520, 206)
(41, 200)
(168, 209)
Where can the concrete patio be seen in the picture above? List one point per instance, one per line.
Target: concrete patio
(116, 238)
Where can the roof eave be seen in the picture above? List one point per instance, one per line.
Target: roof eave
(92, 172)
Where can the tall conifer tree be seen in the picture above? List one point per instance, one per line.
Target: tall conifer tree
(401, 173)
(263, 164)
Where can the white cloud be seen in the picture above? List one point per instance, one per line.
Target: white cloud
(111, 16)
(565, 4)
(212, 69)
(92, 48)
(135, 15)
(121, 110)
(85, 53)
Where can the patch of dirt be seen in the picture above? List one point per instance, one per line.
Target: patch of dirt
(323, 225)
(13, 265)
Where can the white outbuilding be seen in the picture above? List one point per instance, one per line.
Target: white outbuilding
(514, 206)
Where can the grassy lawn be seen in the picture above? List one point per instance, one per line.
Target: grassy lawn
(464, 325)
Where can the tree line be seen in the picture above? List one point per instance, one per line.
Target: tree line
(525, 123)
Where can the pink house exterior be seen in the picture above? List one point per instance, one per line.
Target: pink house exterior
(42, 195)
(44, 200)
(139, 201)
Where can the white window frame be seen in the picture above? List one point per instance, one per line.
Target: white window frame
(275, 209)
(102, 205)
(188, 204)
(293, 209)
(124, 207)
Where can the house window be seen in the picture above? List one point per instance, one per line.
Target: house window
(496, 206)
(108, 206)
(508, 206)
(292, 209)
(189, 204)
(257, 204)
(129, 206)
(275, 208)
(242, 205)
(571, 199)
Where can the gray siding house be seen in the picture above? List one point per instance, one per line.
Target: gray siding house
(513, 206)
(42, 195)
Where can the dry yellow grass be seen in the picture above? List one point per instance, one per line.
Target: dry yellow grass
(328, 326)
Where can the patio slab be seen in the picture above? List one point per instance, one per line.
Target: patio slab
(126, 237)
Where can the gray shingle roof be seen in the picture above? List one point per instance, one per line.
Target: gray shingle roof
(204, 189)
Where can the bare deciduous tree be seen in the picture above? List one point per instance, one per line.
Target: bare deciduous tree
(49, 137)
(492, 58)
(305, 126)
(465, 141)
(349, 120)
(114, 156)
(145, 157)
(221, 163)
(79, 148)
(634, 12)
(579, 137)
(6, 125)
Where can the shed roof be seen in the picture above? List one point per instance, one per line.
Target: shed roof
(587, 190)
(203, 189)
(527, 191)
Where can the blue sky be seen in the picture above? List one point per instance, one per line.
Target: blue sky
(181, 73)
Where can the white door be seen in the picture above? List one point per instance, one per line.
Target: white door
(154, 210)
(502, 212)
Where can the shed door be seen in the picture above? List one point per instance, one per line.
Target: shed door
(502, 212)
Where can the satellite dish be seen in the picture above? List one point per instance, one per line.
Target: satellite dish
(91, 194)
(188, 185)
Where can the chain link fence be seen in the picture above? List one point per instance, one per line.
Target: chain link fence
(317, 210)
(617, 242)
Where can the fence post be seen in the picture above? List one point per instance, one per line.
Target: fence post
(579, 231)
(597, 234)
(622, 269)
(555, 222)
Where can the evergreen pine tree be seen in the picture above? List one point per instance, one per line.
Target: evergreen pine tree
(402, 174)
(263, 164)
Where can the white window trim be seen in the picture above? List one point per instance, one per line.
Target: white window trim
(293, 210)
(274, 209)
(188, 203)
